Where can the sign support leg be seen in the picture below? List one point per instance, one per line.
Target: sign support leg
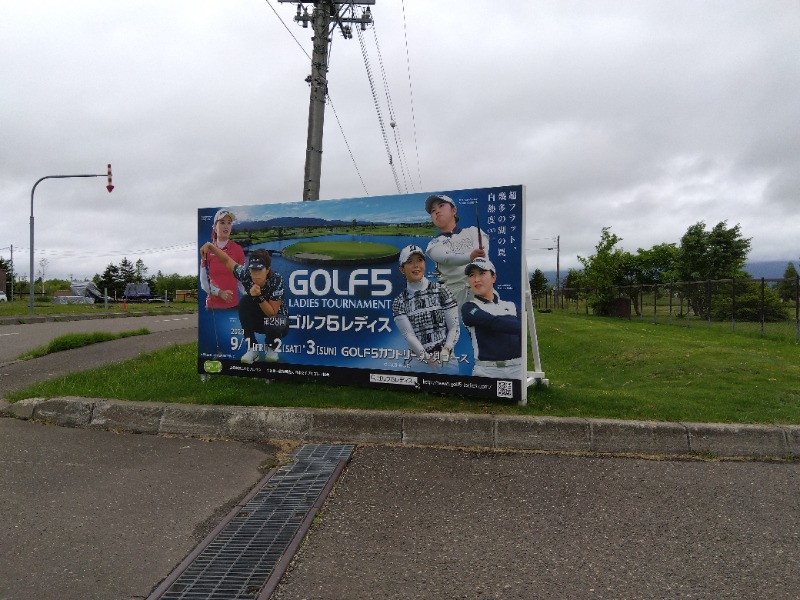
(537, 375)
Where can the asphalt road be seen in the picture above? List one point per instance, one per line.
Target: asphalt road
(91, 514)
(94, 515)
(409, 523)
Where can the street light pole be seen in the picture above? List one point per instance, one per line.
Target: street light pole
(109, 187)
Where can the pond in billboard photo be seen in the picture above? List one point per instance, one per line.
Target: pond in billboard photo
(358, 284)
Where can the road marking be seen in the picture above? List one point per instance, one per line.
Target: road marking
(15, 333)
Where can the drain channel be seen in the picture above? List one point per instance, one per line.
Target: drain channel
(245, 557)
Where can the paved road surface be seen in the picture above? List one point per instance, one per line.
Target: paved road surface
(409, 523)
(93, 515)
(90, 514)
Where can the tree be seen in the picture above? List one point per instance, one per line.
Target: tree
(717, 254)
(573, 284)
(538, 283)
(608, 267)
(110, 280)
(787, 289)
(43, 264)
(57, 284)
(127, 272)
(140, 271)
(749, 305)
(5, 265)
(707, 255)
(657, 265)
(647, 267)
(169, 283)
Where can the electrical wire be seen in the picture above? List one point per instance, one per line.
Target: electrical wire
(378, 110)
(113, 253)
(392, 118)
(411, 92)
(352, 158)
(286, 27)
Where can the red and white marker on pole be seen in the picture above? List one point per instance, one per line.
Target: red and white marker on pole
(109, 187)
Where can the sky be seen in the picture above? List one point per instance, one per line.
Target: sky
(645, 116)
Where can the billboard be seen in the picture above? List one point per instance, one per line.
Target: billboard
(420, 291)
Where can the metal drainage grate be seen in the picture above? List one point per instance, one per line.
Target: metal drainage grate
(236, 561)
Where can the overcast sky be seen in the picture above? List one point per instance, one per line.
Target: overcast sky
(642, 116)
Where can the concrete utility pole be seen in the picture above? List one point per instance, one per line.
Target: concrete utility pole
(325, 16)
(558, 264)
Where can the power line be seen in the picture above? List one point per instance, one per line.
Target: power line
(378, 111)
(352, 158)
(392, 118)
(112, 253)
(286, 27)
(411, 92)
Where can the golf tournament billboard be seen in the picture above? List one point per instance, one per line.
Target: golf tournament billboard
(420, 291)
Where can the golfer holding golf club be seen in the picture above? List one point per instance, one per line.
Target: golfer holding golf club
(262, 309)
(454, 247)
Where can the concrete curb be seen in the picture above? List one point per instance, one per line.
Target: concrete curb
(418, 429)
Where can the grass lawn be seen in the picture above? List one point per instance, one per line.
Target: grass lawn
(79, 340)
(344, 250)
(597, 367)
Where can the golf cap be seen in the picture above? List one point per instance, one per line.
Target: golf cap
(441, 198)
(222, 213)
(255, 263)
(406, 253)
(484, 264)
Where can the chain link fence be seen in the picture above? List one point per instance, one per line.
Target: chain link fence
(767, 308)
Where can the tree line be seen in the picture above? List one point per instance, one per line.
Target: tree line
(115, 277)
(703, 254)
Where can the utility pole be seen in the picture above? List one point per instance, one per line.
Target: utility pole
(558, 264)
(557, 248)
(325, 16)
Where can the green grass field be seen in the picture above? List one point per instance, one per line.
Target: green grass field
(271, 234)
(597, 367)
(675, 315)
(70, 341)
(344, 250)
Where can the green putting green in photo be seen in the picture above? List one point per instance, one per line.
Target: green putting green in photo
(341, 251)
